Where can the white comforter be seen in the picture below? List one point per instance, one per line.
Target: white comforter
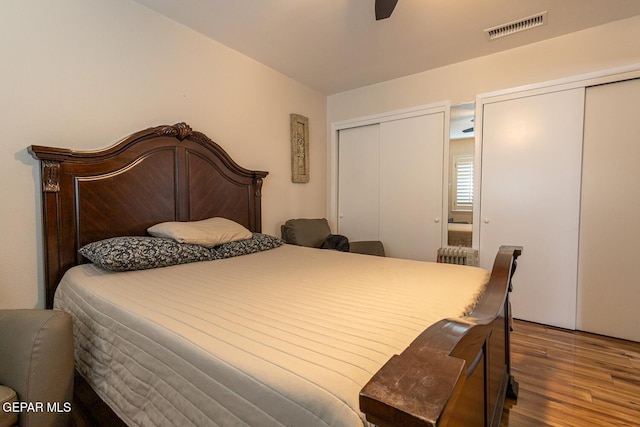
(283, 337)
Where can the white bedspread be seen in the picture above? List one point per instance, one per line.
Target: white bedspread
(284, 337)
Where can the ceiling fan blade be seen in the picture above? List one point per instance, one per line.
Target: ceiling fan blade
(384, 8)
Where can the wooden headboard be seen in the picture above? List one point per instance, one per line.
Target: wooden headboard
(164, 173)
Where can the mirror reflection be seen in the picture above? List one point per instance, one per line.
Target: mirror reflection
(461, 152)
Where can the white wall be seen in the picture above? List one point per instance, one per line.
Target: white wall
(86, 73)
(595, 49)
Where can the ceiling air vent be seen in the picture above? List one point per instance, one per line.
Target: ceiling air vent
(517, 26)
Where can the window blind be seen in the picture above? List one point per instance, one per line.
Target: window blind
(464, 183)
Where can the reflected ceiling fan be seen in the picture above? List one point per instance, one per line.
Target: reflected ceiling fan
(384, 8)
(468, 130)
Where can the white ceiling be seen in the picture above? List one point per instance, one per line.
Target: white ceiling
(337, 45)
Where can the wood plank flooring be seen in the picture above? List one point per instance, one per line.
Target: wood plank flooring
(570, 378)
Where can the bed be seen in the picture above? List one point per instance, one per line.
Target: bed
(280, 335)
(459, 234)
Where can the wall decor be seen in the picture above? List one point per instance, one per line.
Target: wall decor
(299, 148)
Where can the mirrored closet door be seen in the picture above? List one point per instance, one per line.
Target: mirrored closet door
(461, 175)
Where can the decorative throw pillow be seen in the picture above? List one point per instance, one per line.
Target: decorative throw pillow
(142, 252)
(208, 232)
(259, 242)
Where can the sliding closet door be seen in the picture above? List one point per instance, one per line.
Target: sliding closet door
(358, 182)
(530, 196)
(411, 153)
(390, 185)
(608, 283)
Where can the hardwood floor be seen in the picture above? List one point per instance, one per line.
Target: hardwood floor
(570, 378)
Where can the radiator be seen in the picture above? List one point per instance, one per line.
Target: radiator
(459, 255)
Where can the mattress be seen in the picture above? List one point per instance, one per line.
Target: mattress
(459, 234)
(453, 226)
(288, 336)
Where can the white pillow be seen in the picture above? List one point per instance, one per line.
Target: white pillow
(208, 232)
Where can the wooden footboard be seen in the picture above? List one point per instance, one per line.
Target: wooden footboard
(458, 371)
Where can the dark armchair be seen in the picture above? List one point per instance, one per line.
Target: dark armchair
(36, 368)
(316, 233)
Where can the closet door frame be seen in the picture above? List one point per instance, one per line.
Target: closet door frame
(336, 127)
(575, 82)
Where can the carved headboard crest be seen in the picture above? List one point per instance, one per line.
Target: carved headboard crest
(179, 130)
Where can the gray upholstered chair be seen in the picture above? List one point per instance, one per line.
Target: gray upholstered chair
(314, 232)
(36, 368)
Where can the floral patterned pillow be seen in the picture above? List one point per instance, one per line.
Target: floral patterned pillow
(258, 243)
(142, 252)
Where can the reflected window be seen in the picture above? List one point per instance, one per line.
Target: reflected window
(463, 179)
